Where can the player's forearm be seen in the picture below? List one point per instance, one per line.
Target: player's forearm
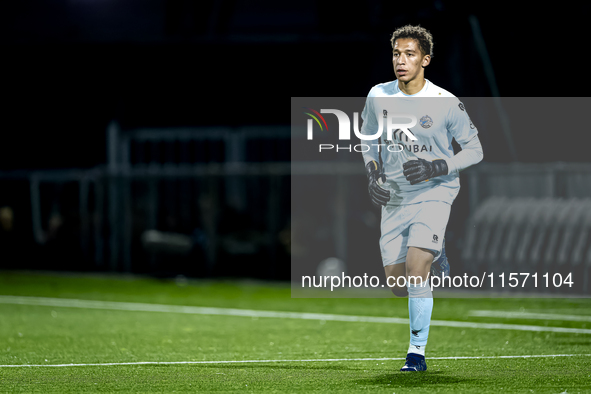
(471, 154)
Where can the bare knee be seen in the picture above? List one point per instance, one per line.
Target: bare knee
(418, 263)
(416, 274)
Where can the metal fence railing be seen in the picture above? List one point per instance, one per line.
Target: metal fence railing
(529, 235)
(558, 179)
(530, 217)
(177, 186)
(213, 186)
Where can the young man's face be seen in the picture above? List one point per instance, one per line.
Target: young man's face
(408, 60)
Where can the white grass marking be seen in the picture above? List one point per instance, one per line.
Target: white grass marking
(288, 361)
(530, 315)
(198, 310)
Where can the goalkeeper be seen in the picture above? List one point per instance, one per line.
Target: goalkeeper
(414, 182)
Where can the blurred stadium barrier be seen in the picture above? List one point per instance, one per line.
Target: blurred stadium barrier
(539, 180)
(227, 189)
(530, 218)
(221, 163)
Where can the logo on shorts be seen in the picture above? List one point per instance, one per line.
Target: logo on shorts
(385, 114)
(426, 122)
(461, 105)
(435, 238)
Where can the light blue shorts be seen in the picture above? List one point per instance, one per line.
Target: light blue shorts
(421, 225)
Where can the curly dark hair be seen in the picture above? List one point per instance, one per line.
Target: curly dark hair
(422, 35)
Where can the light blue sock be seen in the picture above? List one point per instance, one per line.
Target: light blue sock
(420, 306)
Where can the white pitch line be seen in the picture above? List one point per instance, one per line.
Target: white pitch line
(530, 315)
(287, 361)
(198, 310)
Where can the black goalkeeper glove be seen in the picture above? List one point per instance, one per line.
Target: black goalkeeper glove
(417, 171)
(379, 196)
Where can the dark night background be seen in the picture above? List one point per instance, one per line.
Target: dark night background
(71, 66)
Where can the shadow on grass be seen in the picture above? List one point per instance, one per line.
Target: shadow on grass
(413, 379)
(397, 378)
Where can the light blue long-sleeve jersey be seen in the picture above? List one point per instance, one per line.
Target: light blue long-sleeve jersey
(438, 117)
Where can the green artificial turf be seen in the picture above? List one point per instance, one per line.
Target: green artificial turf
(49, 335)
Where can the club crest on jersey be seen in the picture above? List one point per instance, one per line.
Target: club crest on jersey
(385, 114)
(426, 122)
